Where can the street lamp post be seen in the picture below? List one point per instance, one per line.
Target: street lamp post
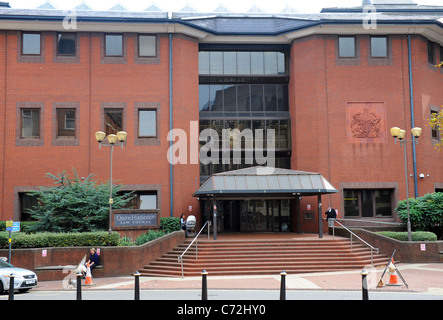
(399, 134)
(112, 139)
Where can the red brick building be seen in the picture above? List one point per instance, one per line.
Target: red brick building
(330, 84)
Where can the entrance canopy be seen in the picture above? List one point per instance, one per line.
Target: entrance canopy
(264, 182)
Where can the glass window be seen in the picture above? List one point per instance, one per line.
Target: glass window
(148, 201)
(216, 62)
(270, 94)
(147, 46)
(65, 123)
(203, 97)
(113, 121)
(147, 123)
(66, 43)
(216, 98)
(257, 63)
(244, 97)
(346, 47)
(281, 63)
(431, 52)
(282, 97)
(271, 63)
(114, 45)
(382, 203)
(284, 135)
(257, 97)
(230, 63)
(435, 132)
(203, 62)
(243, 63)
(350, 199)
(379, 47)
(30, 123)
(367, 203)
(230, 98)
(31, 43)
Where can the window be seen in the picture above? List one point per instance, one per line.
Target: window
(31, 43)
(346, 47)
(30, 124)
(431, 52)
(147, 46)
(244, 63)
(143, 200)
(441, 55)
(66, 44)
(65, 123)
(114, 45)
(113, 121)
(435, 132)
(367, 203)
(379, 47)
(147, 123)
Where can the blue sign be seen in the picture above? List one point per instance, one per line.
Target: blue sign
(15, 227)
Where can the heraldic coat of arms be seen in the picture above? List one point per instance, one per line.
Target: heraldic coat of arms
(365, 124)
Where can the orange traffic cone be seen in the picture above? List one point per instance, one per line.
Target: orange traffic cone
(393, 280)
(88, 280)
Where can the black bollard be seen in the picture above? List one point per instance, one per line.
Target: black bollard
(137, 286)
(11, 287)
(283, 285)
(79, 286)
(204, 285)
(364, 274)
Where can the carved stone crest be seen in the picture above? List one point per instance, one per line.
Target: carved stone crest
(365, 124)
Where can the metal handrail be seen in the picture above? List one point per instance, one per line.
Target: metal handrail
(353, 234)
(180, 258)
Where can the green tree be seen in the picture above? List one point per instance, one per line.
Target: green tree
(425, 213)
(74, 205)
(436, 120)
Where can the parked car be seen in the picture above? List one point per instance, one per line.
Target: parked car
(23, 279)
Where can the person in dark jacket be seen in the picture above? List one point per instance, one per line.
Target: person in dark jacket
(94, 259)
(330, 213)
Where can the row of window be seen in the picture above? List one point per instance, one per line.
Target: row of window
(347, 47)
(67, 44)
(243, 97)
(67, 128)
(242, 63)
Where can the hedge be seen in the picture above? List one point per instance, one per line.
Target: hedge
(415, 236)
(52, 239)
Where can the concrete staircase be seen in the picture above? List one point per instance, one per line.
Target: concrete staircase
(259, 257)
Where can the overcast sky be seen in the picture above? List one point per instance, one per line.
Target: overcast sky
(271, 6)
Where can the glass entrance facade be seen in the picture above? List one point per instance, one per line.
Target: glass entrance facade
(250, 215)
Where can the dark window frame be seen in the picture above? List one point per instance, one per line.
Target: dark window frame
(361, 206)
(340, 56)
(139, 47)
(57, 39)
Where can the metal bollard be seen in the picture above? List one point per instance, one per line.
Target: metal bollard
(364, 274)
(11, 287)
(204, 285)
(79, 286)
(137, 286)
(283, 285)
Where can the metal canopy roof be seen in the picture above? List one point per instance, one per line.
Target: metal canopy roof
(264, 182)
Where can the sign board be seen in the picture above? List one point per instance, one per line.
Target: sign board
(13, 226)
(135, 219)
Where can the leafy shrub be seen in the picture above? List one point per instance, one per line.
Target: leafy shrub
(149, 236)
(425, 213)
(169, 224)
(74, 205)
(415, 236)
(56, 239)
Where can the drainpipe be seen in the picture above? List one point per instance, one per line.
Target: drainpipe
(411, 98)
(171, 179)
